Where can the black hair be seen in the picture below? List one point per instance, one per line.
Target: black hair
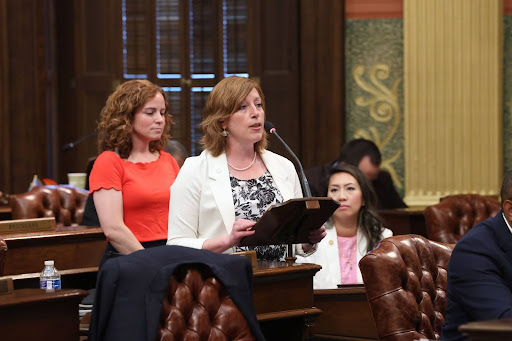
(353, 151)
(368, 221)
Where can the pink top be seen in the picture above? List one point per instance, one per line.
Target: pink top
(347, 250)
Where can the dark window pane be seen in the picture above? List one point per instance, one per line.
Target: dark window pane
(168, 41)
(178, 132)
(135, 59)
(202, 38)
(198, 99)
(235, 37)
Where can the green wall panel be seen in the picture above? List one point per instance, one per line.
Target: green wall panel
(374, 66)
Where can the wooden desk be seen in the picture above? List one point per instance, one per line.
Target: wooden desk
(346, 315)
(283, 299)
(405, 220)
(495, 330)
(76, 250)
(34, 314)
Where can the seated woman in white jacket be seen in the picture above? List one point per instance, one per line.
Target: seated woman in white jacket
(353, 230)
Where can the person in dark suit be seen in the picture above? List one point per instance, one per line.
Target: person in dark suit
(480, 271)
(365, 155)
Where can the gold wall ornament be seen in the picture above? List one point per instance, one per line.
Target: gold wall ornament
(384, 107)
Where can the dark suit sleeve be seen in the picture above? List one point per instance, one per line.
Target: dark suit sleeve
(476, 281)
(387, 195)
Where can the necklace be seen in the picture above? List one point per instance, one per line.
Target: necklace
(349, 258)
(244, 168)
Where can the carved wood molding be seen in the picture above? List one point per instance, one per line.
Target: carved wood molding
(373, 9)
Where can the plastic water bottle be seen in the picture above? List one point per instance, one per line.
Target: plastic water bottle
(50, 277)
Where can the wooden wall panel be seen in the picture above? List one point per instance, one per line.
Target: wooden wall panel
(52, 71)
(297, 65)
(373, 9)
(92, 64)
(274, 29)
(322, 81)
(25, 152)
(5, 136)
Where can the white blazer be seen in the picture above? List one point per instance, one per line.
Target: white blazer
(328, 257)
(201, 205)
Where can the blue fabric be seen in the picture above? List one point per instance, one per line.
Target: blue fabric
(130, 290)
(479, 277)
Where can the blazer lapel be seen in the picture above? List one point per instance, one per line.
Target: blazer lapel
(280, 176)
(218, 175)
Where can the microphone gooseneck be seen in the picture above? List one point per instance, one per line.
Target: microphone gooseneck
(269, 128)
(71, 145)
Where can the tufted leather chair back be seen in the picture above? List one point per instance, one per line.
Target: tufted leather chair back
(405, 280)
(197, 307)
(65, 203)
(455, 215)
(3, 252)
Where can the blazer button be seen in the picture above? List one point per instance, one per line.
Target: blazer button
(219, 170)
(331, 242)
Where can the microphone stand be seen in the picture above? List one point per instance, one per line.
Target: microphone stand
(269, 127)
(303, 179)
(73, 144)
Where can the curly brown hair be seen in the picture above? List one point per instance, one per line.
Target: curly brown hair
(224, 100)
(115, 126)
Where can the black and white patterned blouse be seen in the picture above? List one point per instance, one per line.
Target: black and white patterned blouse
(251, 199)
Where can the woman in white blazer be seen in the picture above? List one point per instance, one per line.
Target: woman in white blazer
(219, 195)
(353, 230)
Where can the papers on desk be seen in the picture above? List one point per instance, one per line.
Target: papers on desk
(83, 310)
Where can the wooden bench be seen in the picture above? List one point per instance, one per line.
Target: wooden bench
(76, 250)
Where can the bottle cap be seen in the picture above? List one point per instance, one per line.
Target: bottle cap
(48, 262)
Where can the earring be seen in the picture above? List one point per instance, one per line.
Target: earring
(224, 132)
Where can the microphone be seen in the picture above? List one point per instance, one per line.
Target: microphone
(269, 128)
(71, 145)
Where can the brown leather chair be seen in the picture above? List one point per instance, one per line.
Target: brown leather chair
(65, 203)
(405, 280)
(3, 253)
(197, 307)
(455, 215)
